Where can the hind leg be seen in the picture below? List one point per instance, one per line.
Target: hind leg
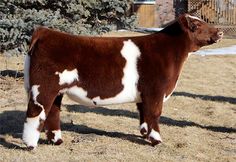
(52, 123)
(39, 105)
(35, 117)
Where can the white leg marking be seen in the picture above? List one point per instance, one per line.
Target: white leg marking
(62, 91)
(130, 93)
(35, 93)
(57, 135)
(30, 132)
(67, 77)
(155, 135)
(26, 74)
(144, 126)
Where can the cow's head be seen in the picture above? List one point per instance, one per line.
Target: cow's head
(200, 33)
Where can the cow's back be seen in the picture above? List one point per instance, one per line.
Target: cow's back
(81, 63)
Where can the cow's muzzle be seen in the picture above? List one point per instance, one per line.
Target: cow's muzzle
(216, 38)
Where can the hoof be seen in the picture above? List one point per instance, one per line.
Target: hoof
(144, 129)
(143, 132)
(52, 142)
(30, 148)
(54, 137)
(58, 142)
(154, 142)
(155, 137)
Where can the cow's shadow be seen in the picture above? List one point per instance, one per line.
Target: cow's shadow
(230, 100)
(11, 123)
(163, 120)
(12, 73)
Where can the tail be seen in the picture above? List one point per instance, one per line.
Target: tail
(26, 74)
(33, 44)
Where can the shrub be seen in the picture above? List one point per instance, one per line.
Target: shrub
(18, 18)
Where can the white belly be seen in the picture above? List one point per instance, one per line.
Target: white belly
(79, 95)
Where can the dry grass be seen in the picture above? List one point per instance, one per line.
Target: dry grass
(198, 122)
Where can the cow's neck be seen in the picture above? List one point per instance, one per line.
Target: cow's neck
(175, 31)
(179, 46)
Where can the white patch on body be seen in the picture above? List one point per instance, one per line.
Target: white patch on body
(35, 93)
(57, 135)
(144, 126)
(130, 92)
(155, 135)
(78, 94)
(26, 74)
(31, 133)
(67, 77)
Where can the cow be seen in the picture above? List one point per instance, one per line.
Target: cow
(98, 71)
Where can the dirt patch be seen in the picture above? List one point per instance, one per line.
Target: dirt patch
(198, 122)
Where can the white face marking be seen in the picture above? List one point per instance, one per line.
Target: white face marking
(35, 93)
(57, 135)
(155, 135)
(144, 126)
(26, 74)
(30, 132)
(194, 17)
(67, 77)
(130, 93)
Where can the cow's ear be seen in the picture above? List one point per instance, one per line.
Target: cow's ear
(187, 23)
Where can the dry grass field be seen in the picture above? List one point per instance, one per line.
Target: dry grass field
(198, 122)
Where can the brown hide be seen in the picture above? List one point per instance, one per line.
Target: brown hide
(100, 66)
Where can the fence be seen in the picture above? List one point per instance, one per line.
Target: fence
(221, 13)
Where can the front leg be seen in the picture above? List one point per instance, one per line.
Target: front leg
(152, 108)
(143, 125)
(39, 106)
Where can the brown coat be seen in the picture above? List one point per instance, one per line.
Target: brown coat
(99, 71)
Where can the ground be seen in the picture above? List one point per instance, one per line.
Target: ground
(198, 122)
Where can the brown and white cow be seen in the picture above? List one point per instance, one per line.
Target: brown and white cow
(98, 71)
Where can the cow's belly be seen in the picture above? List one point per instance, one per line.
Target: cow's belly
(130, 52)
(79, 95)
